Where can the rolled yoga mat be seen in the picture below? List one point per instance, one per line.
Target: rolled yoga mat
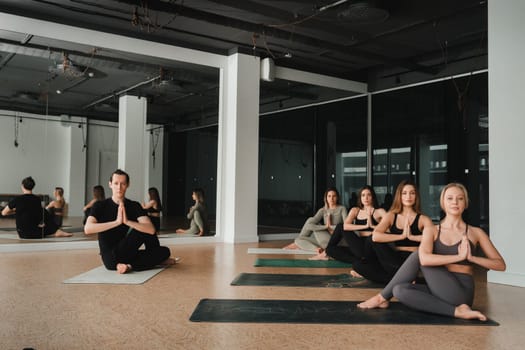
(316, 311)
(343, 280)
(260, 262)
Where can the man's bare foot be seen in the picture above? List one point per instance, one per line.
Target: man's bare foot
(180, 230)
(320, 256)
(170, 261)
(319, 250)
(354, 274)
(291, 246)
(377, 301)
(61, 233)
(123, 268)
(464, 311)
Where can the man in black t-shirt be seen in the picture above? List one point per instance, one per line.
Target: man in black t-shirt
(123, 227)
(32, 221)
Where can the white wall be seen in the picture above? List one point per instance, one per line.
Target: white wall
(506, 125)
(45, 149)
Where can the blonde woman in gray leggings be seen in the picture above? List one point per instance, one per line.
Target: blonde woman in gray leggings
(445, 258)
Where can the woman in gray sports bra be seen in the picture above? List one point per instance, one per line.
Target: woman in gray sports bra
(445, 258)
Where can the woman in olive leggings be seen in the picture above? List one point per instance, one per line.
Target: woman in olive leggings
(446, 260)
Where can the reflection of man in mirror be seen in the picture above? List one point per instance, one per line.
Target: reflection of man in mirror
(123, 226)
(32, 221)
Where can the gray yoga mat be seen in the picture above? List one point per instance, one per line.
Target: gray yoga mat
(343, 280)
(103, 276)
(316, 311)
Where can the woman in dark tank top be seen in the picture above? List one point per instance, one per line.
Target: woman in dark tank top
(445, 258)
(358, 225)
(395, 237)
(153, 207)
(57, 206)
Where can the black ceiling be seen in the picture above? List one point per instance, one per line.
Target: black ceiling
(382, 43)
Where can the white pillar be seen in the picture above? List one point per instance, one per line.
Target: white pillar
(131, 140)
(238, 154)
(506, 30)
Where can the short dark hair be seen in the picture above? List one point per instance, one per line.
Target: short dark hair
(119, 172)
(28, 183)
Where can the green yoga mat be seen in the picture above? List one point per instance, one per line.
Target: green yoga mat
(316, 311)
(299, 263)
(343, 280)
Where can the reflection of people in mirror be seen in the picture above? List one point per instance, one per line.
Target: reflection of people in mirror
(57, 207)
(197, 215)
(98, 195)
(32, 221)
(153, 207)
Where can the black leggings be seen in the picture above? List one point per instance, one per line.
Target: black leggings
(356, 246)
(155, 220)
(382, 265)
(444, 290)
(49, 228)
(128, 252)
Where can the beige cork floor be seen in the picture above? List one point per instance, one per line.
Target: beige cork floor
(38, 311)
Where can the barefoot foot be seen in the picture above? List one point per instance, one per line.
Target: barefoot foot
(354, 274)
(180, 230)
(377, 301)
(123, 268)
(320, 256)
(291, 246)
(61, 233)
(464, 311)
(170, 261)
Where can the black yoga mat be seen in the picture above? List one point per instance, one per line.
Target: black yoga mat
(342, 280)
(263, 262)
(316, 311)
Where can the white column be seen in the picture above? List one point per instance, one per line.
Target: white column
(506, 30)
(131, 140)
(238, 154)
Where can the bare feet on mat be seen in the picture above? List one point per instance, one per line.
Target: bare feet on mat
(170, 261)
(291, 246)
(464, 311)
(377, 301)
(354, 274)
(180, 230)
(61, 233)
(320, 250)
(123, 268)
(320, 256)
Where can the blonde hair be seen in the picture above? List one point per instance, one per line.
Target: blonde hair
(457, 185)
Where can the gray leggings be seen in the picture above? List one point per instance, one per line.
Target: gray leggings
(197, 224)
(444, 290)
(311, 238)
